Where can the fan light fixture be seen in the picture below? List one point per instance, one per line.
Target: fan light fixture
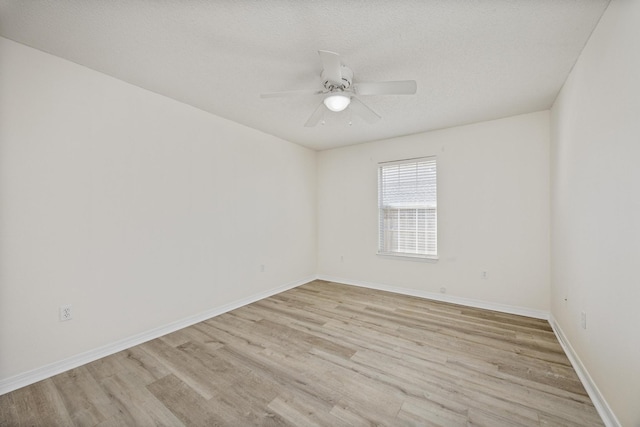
(337, 102)
(338, 90)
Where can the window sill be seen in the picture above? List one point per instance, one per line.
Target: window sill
(408, 257)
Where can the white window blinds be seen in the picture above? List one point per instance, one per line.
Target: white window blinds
(407, 201)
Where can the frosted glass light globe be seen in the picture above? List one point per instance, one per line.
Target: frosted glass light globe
(337, 102)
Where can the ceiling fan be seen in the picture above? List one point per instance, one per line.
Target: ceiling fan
(340, 91)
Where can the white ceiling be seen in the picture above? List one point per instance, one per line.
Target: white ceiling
(473, 60)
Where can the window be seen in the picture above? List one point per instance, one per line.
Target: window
(407, 202)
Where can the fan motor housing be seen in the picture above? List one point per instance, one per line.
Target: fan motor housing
(347, 79)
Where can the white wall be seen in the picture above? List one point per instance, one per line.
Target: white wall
(596, 208)
(136, 209)
(493, 213)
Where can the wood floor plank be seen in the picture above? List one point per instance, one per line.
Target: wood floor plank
(187, 405)
(84, 399)
(138, 362)
(136, 405)
(182, 365)
(421, 411)
(28, 405)
(324, 354)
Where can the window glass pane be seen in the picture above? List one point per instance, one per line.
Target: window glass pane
(408, 207)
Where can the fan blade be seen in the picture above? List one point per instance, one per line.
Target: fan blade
(316, 116)
(331, 66)
(290, 93)
(403, 87)
(363, 111)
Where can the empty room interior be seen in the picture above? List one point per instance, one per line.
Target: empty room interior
(319, 213)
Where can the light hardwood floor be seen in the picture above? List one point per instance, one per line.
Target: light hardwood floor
(324, 354)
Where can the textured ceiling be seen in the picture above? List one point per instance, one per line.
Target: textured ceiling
(473, 60)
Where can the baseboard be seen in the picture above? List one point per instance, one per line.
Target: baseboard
(504, 308)
(21, 380)
(603, 408)
(47, 371)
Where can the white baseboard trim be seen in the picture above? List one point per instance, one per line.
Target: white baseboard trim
(503, 308)
(24, 379)
(603, 408)
(21, 380)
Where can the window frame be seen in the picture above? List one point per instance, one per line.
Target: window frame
(430, 233)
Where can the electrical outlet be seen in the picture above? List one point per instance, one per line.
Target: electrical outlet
(65, 313)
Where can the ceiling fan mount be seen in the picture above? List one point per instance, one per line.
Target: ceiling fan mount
(342, 92)
(346, 79)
